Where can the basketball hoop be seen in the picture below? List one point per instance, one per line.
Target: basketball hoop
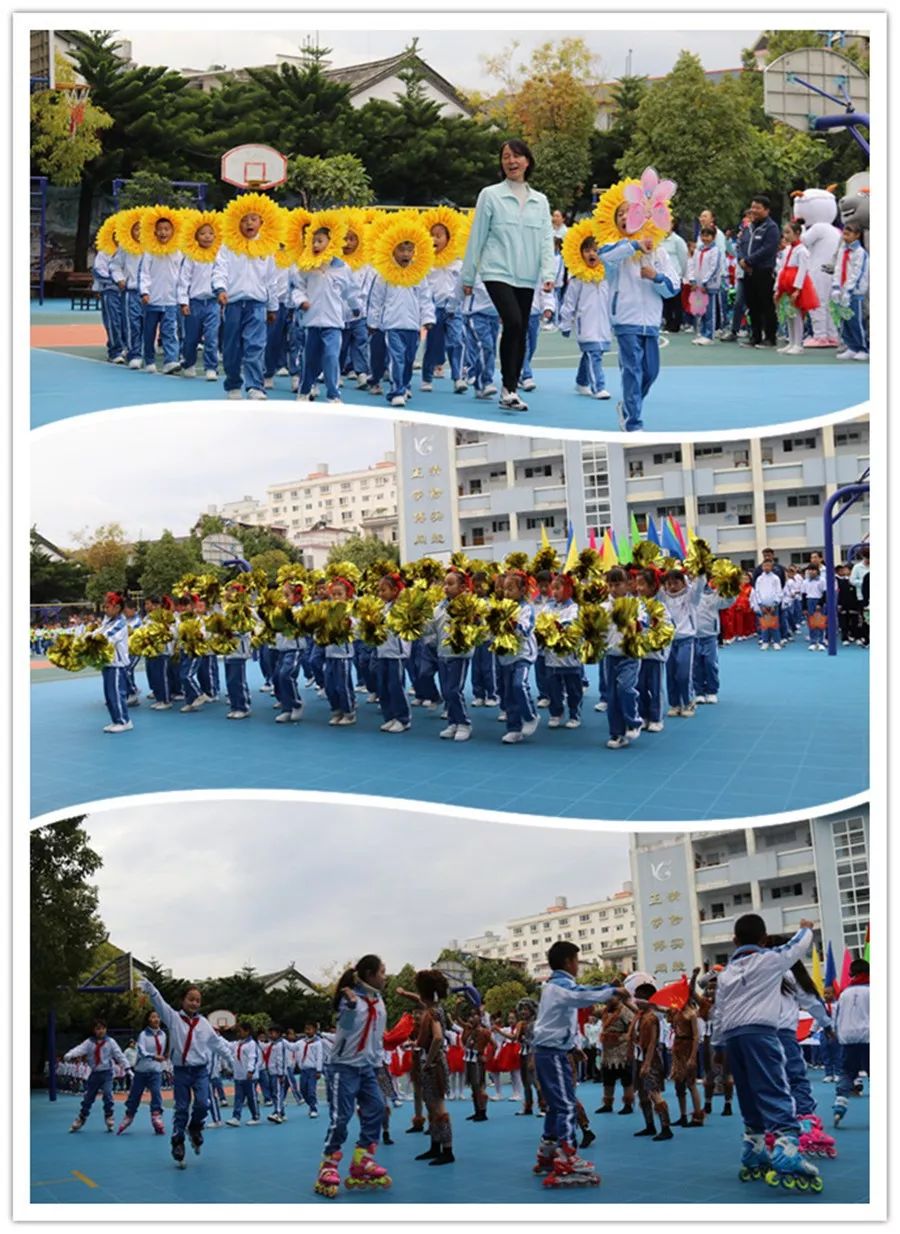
(253, 167)
(77, 94)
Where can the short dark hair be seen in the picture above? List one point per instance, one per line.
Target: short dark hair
(645, 990)
(518, 147)
(761, 199)
(859, 968)
(850, 225)
(560, 952)
(246, 1025)
(99, 1024)
(616, 575)
(589, 242)
(749, 929)
(708, 231)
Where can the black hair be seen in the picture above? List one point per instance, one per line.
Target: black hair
(645, 990)
(762, 199)
(854, 227)
(322, 231)
(859, 968)
(544, 576)
(560, 952)
(275, 1028)
(650, 577)
(616, 575)
(589, 242)
(675, 576)
(99, 1024)
(518, 147)
(707, 231)
(368, 966)
(749, 929)
(246, 1025)
(431, 985)
(798, 971)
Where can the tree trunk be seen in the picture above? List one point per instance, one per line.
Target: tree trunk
(83, 230)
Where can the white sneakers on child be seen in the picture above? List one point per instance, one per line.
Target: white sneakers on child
(118, 728)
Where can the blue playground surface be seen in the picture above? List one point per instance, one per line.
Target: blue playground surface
(277, 1165)
(790, 733)
(742, 390)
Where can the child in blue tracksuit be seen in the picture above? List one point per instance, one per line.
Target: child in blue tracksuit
(134, 622)
(706, 644)
(640, 278)
(236, 686)
(446, 336)
(682, 601)
(390, 663)
(745, 1025)
(622, 672)
(586, 308)
(112, 306)
(200, 309)
(115, 674)
(355, 352)
(708, 263)
(125, 269)
(244, 1066)
(851, 1024)
(543, 309)
(151, 1053)
(651, 695)
(482, 330)
(276, 327)
(544, 581)
(814, 602)
(289, 650)
(453, 666)
(522, 718)
(565, 673)
(99, 1052)
(484, 662)
(338, 661)
(246, 287)
(555, 1036)
(158, 283)
(849, 288)
(323, 295)
(402, 313)
(311, 1057)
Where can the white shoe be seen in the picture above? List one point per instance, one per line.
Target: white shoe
(492, 702)
(135, 364)
(511, 739)
(573, 724)
(119, 728)
(460, 387)
(512, 402)
(334, 400)
(172, 367)
(253, 1122)
(211, 375)
(601, 706)
(543, 703)
(764, 646)
(281, 372)
(603, 395)
(528, 385)
(160, 706)
(687, 713)
(704, 342)
(190, 371)
(232, 1122)
(314, 1113)
(489, 391)
(283, 717)
(554, 722)
(674, 711)
(295, 384)
(194, 706)
(861, 356)
(617, 743)
(426, 386)
(347, 719)
(256, 395)
(477, 702)
(585, 390)
(530, 726)
(296, 714)
(776, 646)
(632, 734)
(265, 689)
(700, 699)
(133, 700)
(335, 716)
(463, 732)
(394, 726)
(235, 395)
(150, 368)
(269, 383)
(429, 704)
(320, 692)
(712, 698)
(846, 355)
(239, 715)
(449, 733)
(655, 726)
(792, 351)
(620, 417)
(501, 717)
(811, 647)
(398, 401)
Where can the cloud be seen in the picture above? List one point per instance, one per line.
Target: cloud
(207, 887)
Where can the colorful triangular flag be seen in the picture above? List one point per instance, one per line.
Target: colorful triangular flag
(545, 539)
(865, 954)
(679, 535)
(845, 968)
(817, 970)
(571, 551)
(653, 536)
(670, 543)
(610, 556)
(635, 530)
(592, 538)
(830, 969)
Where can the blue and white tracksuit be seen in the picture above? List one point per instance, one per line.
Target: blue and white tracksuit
(276, 330)
(651, 694)
(766, 594)
(195, 291)
(275, 1056)
(390, 663)
(706, 642)
(133, 623)
(339, 679)
(311, 1059)
(126, 268)
(356, 1057)
(541, 676)
(112, 305)
(159, 281)
(745, 1022)
(851, 1025)
(151, 1045)
(515, 692)
(565, 673)
(453, 668)
(289, 652)
(296, 330)
(682, 610)
(793, 1001)
(400, 312)
(99, 1056)
(708, 262)
(329, 291)
(555, 1035)
(814, 589)
(236, 675)
(355, 355)
(849, 288)
(636, 315)
(244, 1065)
(251, 286)
(543, 307)
(445, 338)
(115, 674)
(193, 1041)
(586, 309)
(481, 323)
(621, 682)
(484, 672)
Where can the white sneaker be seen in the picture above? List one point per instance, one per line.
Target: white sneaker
(492, 702)
(314, 1113)
(617, 743)
(861, 356)
(764, 646)
(528, 385)
(335, 716)
(512, 402)
(256, 395)
(603, 395)
(160, 706)
(119, 728)
(449, 733)
(463, 732)
(554, 722)
(585, 390)
(347, 719)
(543, 703)
(776, 646)
(704, 342)
(489, 391)
(269, 383)
(296, 714)
(172, 367)
(501, 717)
(712, 698)
(846, 355)
(190, 371)
(792, 351)
(632, 734)
(687, 713)
(428, 704)
(530, 726)
(674, 711)
(232, 1122)
(135, 364)
(239, 715)
(283, 717)
(511, 739)
(460, 387)
(320, 692)
(253, 1122)
(426, 386)
(281, 372)
(573, 724)
(477, 702)
(149, 368)
(398, 401)
(235, 395)
(395, 726)
(601, 706)
(655, 726)
(211, 375)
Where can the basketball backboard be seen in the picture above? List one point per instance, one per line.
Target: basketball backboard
(253, 167)
(792, 86)
(222, 1019)
(218, 548)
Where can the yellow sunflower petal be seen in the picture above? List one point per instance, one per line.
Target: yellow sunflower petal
(150, 243)
(265, 243)
(127, 220)
(189, 224)
(335, 223)
(572, 255)
(400, 229)
(457, 229)
(105, 241)
(605, 217)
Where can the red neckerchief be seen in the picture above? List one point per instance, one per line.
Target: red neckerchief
(305, 1050)
(192, 1022)
(371, 1016)
(860, 979)
(267, 1050)
(159, 1048)
(98, 1051)
(844, 264)
(241, 1045)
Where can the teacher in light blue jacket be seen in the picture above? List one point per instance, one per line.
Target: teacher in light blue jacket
(511, 248)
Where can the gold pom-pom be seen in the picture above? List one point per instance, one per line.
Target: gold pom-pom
(562, 638)
(456, 228)
(465, 628)
(427, 569)
(516, 561)
(126, 222)
(573, 256)
(626, 617)
(410, 613)
(594, 620)
(660, 632)
(150, 242)
(265, 243)
(502, 621)
(221, 640)
(726, 576)
(105, 240)
(238, 609)
(544, 559)
(344, 569)
(66, 653)
(646, 553)
(699, 558)
(191, 639)
(402, 229)
(369, 613)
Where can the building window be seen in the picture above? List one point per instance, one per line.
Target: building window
(326, 488)
(711, 507)
(517, 931)
(538, 472)
(799, 500)
(845, 437)
(546, 925)
(533, 928)
(345, 486)
(582, 933)
(588, 947)
(500, 524)
(666, 456)
(635, 468)
(707, 451)
(677, 511)
(790, 444)
(717, 911)
(744, 513)
(538, 521)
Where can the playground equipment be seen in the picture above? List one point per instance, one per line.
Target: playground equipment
(119, 981)
(836, 507)
(253, 167)
(38, 235)
(800, 85)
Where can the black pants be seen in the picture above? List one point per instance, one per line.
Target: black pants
(514, 306)
(673, 313)
(759, 286)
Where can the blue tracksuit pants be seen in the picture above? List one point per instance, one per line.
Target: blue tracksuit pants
(853, 330)
(355, 347)
(680, 672)
(444, 338)
(484, 673)
(515, 695)
(115, 693)
(401, 353)
(134, 324)
(112, 310)
(854, 1059)
(308, 1080)
(98, 1082)
(322, 354)
(554, 1074)
(163, 318)
(296, 342)
(350, 1088)
(391, 694)
(236, 685)
(245, 1091)
(244, 344)
(149, 1082)
(565, 686)
(795, 1070)
(377, 357)
(590, 367)
(531, 342)
(276, 342)
(202, 323)
(287, 671)
(157, 668)
(622, 703)
(650, 691)
(452, 672)
(423, 668)
(756, 1061)
(639, 368)
(339, 684)
(706, 664)
(190, 1081)
(481, 333)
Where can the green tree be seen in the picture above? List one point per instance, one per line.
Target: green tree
(146, 188)
(340, 180)
(105, 553)
(55, 582)
(256, 540)
(600, 974)
(403, 979)
(608, 147)
(66, 927)
(363, 551)
(165, 561)
(271, 561)
(501, 999)
(60, 143)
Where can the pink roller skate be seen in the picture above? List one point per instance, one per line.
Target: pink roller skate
(157, 1122)
(546, 1156)
(329, 1180)
(125, 1123)
(365, 1170)
(814, 1139)
(570, 1170)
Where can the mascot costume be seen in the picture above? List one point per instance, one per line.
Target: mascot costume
(818, 209)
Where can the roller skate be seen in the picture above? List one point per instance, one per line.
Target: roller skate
(839, 1110)
(157, 1122)
(755, 1160)
(329, 1180)
(365, 1170)
(570, 1170)
(77, 1124)
(125, 1123)
(195, 1135)
(814, 1139)
(110, 1123)
(790, 1169)
(546, 1156)
(178, 1151)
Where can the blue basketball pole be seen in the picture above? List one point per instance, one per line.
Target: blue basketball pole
(51, 1051)
(843, 499)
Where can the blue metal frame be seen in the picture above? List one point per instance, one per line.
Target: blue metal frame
(39, 190)
(850, 118)
(847, 497)
(197, 187)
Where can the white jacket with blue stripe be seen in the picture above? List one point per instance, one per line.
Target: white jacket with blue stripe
(636, 302)
(556, 1026)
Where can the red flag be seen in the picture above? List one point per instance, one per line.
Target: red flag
(679, 534)
(672, 997)
(804, 1026)
(592, 538)
(845, 968)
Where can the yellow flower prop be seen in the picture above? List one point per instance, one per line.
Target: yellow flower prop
(189, 224)
(293, 232)
(335, 222)
(605, 217)
(400, 229)
(106, 236)
(443, 216)
(573, 256)
(265, 242)
(150, 243)
(127, 220)
(357, 225)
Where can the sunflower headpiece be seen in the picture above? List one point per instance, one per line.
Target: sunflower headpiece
(150, 242)
(453, 223)
(335, 223)
(605, 216)
(293, 233)
(573, 256)
(189, 224)
(106, 240)
(402, 229)
(126, 221)
(356, 224)
(267, 239)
